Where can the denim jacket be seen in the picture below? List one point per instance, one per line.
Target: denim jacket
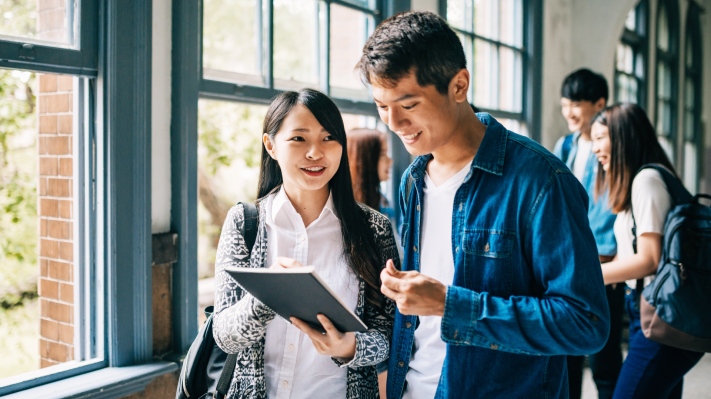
(600, 215)
(528, 287)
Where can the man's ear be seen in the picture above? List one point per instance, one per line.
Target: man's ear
(268, 145)
(459, 86)
(600, 104)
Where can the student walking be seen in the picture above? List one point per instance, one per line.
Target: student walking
(501, 278)
(623, 141)
(583, 94)
(307, 216)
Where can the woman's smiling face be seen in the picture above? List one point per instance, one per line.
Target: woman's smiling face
(307, 154)
(601, 144)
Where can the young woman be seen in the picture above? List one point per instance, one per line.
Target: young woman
(307, 216)
(623, 141)
(370, 165)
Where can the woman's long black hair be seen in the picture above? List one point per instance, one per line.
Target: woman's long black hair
(359, 247)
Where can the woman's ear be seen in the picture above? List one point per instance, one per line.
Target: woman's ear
(268, 145)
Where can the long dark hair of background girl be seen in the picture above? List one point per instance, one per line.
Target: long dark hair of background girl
(364, 150)
(358, 243)
(633, 143)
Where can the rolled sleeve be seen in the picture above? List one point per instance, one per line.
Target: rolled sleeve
(461, 312)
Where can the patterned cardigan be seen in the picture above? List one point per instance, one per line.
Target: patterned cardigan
(240, 321)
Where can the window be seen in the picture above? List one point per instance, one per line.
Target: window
(251, 50)
(692, 100)
(492, 35)
(630, 58)
(52, 311)
(666, 88)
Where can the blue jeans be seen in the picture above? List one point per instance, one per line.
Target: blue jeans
(651, 370)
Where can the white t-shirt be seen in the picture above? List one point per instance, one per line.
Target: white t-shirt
(436, 261)
(651, 203)
(581, 158)
(293, 368)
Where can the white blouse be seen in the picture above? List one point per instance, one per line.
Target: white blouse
(292, 366)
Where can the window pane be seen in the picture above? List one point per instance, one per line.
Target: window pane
(485, 75)
(691, 170)
(231, 40)
(663, 29)
(509, 80)
(689, 52)
(664, 118)
(229, 153)
(689, 91)
(664, 81)
(296, 43)
(511, 16)
(459, 14)
(631, 20)
(621, 88)
(515, 126)
(43, 21)
(486, 18)
(689, 126)
(668, 147)
(349, 31)
(620, 57)
(639, 66)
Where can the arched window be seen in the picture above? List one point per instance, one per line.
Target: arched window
(631, 58)
(666, 97)
(692, 99)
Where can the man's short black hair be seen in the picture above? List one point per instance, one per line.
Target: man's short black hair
(585, 85)
(418, 40)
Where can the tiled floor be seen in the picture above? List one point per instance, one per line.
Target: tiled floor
(697, 383)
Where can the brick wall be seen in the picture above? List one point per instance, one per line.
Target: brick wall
(56, 288)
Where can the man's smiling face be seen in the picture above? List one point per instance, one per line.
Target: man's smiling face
(422, 117)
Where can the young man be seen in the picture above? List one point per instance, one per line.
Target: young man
(584, 94)
(501, 278)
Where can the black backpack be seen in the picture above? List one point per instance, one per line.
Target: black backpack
(207, 370)
(674, 308)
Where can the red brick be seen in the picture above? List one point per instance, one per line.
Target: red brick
(58, 229)
(65, 209)
(60, 312)
(66, 251)
(48, 124)
(42, 183)
(49, 207)
(66, 333)
(47, 83)
(42, 104)
(60, 145)
(49, 248)
(42, 145)
(48, 166)
(49, 329)
(44, 272)
(66, 292)
(48, 288)
(58, 188)
(60, 270)
(58, 103)
(43, 348)
(47, 363)
(65, 83)
(71, 103)
(57, 352)
(42, 227)
(65, 167)
(64, 124)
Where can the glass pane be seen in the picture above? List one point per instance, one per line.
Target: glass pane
(485, 75)
(689, 126)
(689, 91)
(620, 57)
(509, 80)
(689, 52)
(514, 125)
(639, 66)
(349, 30)
(231, 41)
(664, 81)
(486, 18)
(353, 121)
(621, 94)
(39, 21)
(296, 44)
(668, 147)
(664, 118)
(663, 28)
(511, 22)
(459, 14)
(229, 153)
(631, 20)
(633, 90)
(691, 170)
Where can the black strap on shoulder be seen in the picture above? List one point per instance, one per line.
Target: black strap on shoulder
(251, 224)
(567, 146)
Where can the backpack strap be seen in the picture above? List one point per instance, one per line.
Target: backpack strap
(567, 146)
(679, 193)
(249, 233)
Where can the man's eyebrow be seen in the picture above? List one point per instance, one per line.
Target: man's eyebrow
(402, 98)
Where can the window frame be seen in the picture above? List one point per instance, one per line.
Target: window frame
(671, 58)
(695, 72)
(639, 42)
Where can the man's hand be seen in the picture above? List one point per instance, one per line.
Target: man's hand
(414, 293)
(333, 342)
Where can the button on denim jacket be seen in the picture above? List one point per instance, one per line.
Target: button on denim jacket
(528, 288)
(600, 216)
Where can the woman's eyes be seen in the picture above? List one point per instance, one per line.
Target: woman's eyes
(297, 138)
(329, 138)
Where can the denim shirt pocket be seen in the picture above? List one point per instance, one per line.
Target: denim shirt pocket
(487, 260)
